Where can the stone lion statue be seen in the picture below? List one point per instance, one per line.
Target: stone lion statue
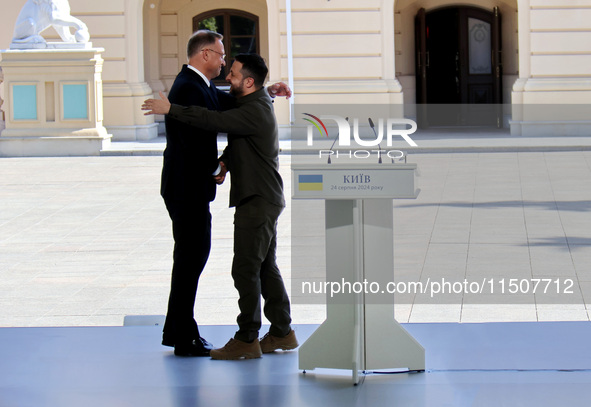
(38, 15)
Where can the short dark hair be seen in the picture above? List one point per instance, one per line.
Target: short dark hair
(200, 39)
(253, 65)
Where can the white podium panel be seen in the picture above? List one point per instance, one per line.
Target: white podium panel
(360, 332)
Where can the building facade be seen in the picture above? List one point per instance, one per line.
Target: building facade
(510, 52)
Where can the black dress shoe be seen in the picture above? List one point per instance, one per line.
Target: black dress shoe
(171, 343)
(195, 348)
(205, 344)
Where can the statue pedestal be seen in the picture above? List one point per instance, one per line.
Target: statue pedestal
(53, 102)
(50, 45)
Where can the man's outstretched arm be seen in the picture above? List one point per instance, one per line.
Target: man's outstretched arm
(234, 121)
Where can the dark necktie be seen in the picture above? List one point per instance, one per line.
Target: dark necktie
(213, 93)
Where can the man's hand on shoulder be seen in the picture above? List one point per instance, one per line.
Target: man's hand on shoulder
(156, 106)
(279, 89)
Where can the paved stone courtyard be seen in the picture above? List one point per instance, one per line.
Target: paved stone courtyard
(85, 241)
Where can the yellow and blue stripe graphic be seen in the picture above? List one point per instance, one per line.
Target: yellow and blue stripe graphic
(310, 182)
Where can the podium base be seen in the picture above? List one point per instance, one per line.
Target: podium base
(361, 337)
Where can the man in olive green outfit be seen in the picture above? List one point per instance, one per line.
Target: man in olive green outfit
(257, 193)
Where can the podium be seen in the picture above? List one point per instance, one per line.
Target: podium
(360, 332)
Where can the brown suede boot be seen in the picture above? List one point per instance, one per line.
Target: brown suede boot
(236, 349)
(270, 343)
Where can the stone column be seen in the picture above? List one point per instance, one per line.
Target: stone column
(551, 96)
(1, 102)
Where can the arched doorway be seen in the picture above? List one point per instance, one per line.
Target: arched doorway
(458, 66)
(240, 30)
(168, 24)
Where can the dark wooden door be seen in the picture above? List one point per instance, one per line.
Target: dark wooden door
(458, 66)
(421, 67)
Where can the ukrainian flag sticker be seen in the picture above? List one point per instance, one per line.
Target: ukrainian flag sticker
(310, 182)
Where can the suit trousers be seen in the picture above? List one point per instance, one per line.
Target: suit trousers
(191, 229)
(255, 271)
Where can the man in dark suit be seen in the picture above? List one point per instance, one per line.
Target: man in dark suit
(188, 187)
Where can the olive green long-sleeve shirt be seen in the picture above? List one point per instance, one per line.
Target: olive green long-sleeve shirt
(252, 154)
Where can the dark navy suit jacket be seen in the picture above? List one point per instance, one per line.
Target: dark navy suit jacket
(191, 154)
